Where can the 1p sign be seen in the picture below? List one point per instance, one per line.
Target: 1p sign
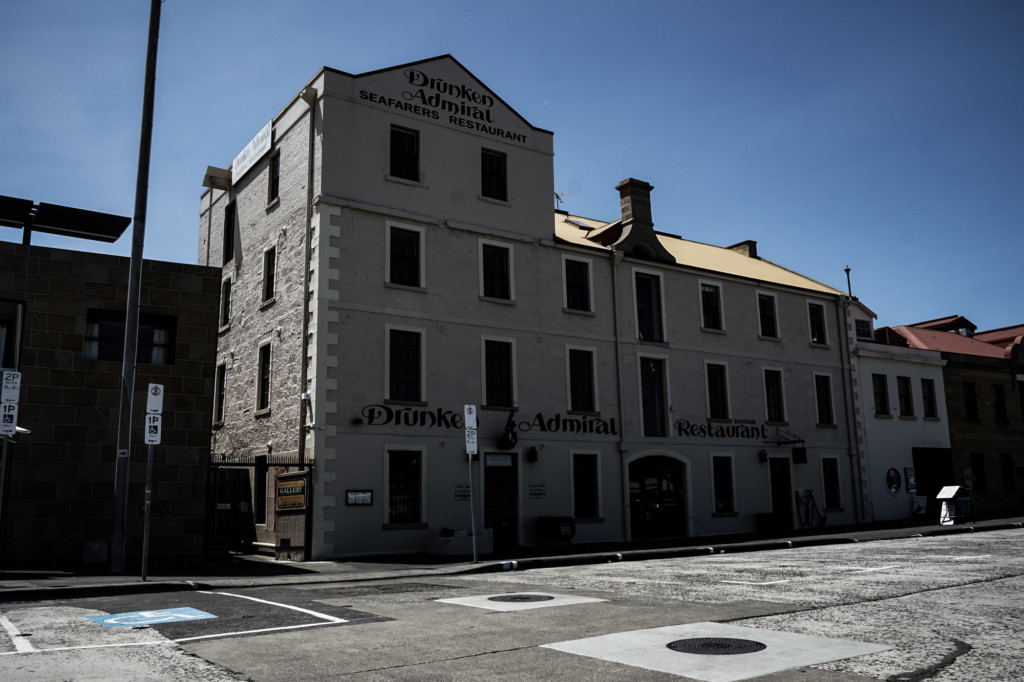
(153, 428)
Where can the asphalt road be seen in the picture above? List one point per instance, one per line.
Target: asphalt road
(942, 608)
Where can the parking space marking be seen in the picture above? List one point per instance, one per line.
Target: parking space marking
(741, 582)
(858, 569)
(315, 614)
(21, 644)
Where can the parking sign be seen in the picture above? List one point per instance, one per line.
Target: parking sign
(153, 426)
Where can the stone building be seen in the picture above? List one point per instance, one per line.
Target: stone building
(389, 259)
(62, 316)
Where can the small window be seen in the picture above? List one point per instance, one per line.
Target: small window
(274, 178)
(652, 396)
(499, 373)
(405, 365)
(582, 394)
(931, 408)
(711, 306)
(228, 242)
(263, 378)
(880, 386)
(405, 256)
(970, 401)
(830, 480)
(647, 289)
(823, 399)
(905, 394)
(999, 402)
(769, 327)
(405, 153)
(220, 383)
(717, 391)
(577, 285)
(863, 328)
(585, 488)
(495, 271)
(225, 303)
(724, 495)
(269, 274)
(493, 175)
(979, 475)
(10, 333)
(816, 324)
(405, 486)
(104, 337)
(775, 407)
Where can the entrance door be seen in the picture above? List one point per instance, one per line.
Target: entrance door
(782, 493)
(657, 501)
(933, 469)
(501, 498)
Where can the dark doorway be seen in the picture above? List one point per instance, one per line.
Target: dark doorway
(230, 524)
(782, 493)
(657, 498)
(933, 469)
(501, 498)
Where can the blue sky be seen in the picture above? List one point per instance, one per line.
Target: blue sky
(887, 136)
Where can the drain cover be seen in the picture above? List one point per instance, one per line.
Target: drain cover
(521, 597)
(715, 646)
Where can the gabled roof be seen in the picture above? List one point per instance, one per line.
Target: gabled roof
(947, 342)
(949, 323)
(1004, 336)
(596, 234)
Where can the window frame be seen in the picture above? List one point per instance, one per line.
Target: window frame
(662, 400)
(858, 325)
(12, 316)
(494, 179)
(274, 177)
(979, 472)
(657, 307)
(401, 160)
(818, 413)
(220, 382)
(418, 505)
(708, 364)
(594, 407)
(880, 389)
(389, 255)
(568, 300)
(485, 372)
(768, 403)
(224, 314)
(264, 376)
(811, 305)
(510, 283)
(574, 487)
(905, 396)
(836, 486)
(761, 332)
(705, 310)
(228, 230)
(929, 399)
(390, 365)
(715, 487)
(268, 285)
(94, 347)
(970, 396)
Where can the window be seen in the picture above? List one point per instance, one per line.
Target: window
(495, 271)
(493, 175)
(405, 154)
(766, 315)
(263, 376)
(880, 386)
(230, 218)
(711, 306)
(823, 399)
(225, 303)
(585, 488)
(405, 486)
(405, 365)
(999, 403)
(104, 337)
(978, 473)
(405, 256)
(724, 496)
(274, 178)
(499, 374)
(652, 396)
(863, 329)
(970, 401)
(577, 285)
(647, 289)
(775, 407)
(931, 408)
(269, 273)
(830, 481)
(10, 333)
(718, 391)
(816, 323)
(220, 382)
(582, 394)
(1009, 471)
(906, 396)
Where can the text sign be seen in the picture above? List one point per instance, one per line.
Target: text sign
(470, 416)
(8, 419)
(10, 387)
(291, 493)
(136, 618)
(153, 427)
(470, 441)
(155, 399)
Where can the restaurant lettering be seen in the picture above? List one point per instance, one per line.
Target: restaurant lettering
(385, 415)
(740, 428)
(560, 424)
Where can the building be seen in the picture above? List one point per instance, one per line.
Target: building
(983, 379)
(389, 258)
(62, 317)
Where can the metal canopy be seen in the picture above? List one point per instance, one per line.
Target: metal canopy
(62, 220)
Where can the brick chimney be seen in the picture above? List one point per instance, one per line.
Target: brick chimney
(638, 238)
(635, 196)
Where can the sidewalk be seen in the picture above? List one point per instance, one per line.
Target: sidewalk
(255, 570)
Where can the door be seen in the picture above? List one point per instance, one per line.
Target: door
(933, 469)
(501, 498)
(657, 501)
(781, 493)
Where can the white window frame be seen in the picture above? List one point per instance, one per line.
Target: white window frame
(270, 371)
(263, 281)
(721, 304)
(511, 269)
(831, 402)
(707, 389)
(775, 305)
(590, 284)
(483, 369)
(224, 317)
(388, 328)
(596, 453)
(661, 303)
(666, 391)
(782, 393)
(732, 481)
(593, 375)
(824, 324)
(389, 226)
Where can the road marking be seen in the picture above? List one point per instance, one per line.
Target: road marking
(315, 614)
(21, 644)
(136, 618)
(858, 569)
(740, 582)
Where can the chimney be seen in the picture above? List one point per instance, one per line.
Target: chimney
(635, 196)
(747, 248)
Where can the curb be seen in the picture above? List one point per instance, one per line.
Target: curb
(19, 594)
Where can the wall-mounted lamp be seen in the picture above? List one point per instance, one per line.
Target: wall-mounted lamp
(762, 456)
(531, 454)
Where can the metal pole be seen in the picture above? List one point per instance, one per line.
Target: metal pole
(131, 326)
(472, 508)
(145, 528)
(3, 487)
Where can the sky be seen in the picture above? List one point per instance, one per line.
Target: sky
(883, 136)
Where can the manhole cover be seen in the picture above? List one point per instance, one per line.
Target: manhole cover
(521, 597)
(715, 646)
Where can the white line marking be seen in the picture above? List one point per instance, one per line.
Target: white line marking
(869, 570)
(21, 644)
(315, 614)
(740, 582)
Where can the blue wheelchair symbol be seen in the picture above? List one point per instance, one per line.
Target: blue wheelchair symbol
(137, 618)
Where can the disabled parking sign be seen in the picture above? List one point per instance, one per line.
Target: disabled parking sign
(137, 618)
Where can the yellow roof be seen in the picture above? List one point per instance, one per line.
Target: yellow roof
(582, 232)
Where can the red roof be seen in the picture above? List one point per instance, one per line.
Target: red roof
(948, 342)
(1004, 336)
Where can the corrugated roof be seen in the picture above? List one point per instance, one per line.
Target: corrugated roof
(1003, 336)
(948, 342)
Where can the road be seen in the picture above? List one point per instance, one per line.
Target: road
(938, 608)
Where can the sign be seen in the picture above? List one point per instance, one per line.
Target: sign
(252, 153)
(463, 492)
(8, 419)
(153, 428)
(470, 441)
(291, 493)
(11, 387)
(155, 399)
(137, 618)
(469, 416)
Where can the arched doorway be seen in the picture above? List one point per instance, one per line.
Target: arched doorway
(657, 498)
